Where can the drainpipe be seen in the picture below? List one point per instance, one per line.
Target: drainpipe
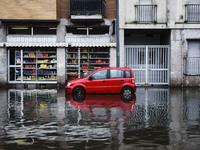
(117, 32)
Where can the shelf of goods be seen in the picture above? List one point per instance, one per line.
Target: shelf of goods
(81, 62)
(39, 66)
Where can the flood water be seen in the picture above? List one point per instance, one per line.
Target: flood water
(153, 118)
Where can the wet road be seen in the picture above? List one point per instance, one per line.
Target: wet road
(153, 118)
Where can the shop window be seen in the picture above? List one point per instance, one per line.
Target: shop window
(15, 74)
(82, 61)
(32, 65)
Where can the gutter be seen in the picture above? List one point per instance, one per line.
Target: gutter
(117, 34)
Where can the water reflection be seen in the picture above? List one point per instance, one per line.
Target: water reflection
(160, 118)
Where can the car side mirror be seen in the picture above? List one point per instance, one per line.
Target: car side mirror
(91, 78)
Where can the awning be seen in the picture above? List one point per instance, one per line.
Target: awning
(1, 44)
(59, 44)
(36, 44)
(93, 44)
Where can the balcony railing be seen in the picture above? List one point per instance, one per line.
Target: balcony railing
(88, 7)
(31, 39)
(87, 39)
(146, 13)
(192, 66)
(192, 13)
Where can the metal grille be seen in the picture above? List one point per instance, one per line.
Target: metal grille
(149, 63)
(87, 7)
(192, 66)
(192, 12)
(145, 13)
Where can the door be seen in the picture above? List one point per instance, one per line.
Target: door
(146, 11)
(150, 64)
(15, 66)
(97, 82)
(116, 80)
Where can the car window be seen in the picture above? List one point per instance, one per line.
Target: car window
(127, 74)
(102, 74)
(114, 73)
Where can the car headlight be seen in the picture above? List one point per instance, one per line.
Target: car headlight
(68, 84)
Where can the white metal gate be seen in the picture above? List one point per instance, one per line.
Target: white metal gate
(150, 64)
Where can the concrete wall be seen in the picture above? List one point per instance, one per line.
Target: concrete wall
(3, 67)
(127, 14)
(179, 50)
(61, 67)
(3, 111)
(3, 56)
(176, 61)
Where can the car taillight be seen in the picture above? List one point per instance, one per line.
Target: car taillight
(133, 80)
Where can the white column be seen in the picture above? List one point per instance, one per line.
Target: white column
(112, 57)
(121, 47)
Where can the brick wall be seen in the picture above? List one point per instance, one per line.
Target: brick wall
(29, 9)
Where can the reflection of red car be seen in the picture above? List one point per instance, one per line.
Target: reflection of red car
(87, 102)
(104, 80)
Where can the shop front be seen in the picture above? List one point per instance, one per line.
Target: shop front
(81, 61)
(32, 65)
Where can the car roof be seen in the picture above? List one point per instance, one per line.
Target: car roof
(120, 68)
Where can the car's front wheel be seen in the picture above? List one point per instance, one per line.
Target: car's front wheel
(79, 91)
(127, 93)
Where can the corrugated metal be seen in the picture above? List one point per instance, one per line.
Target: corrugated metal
(150, 64)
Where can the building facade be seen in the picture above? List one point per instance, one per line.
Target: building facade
(160, 41)
(51, 42)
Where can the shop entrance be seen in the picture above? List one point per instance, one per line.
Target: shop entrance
(150, 64)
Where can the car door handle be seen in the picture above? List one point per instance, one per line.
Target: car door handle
(121, 80)
(103, 81)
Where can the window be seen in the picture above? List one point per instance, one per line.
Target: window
(116, 73)
(193, 11)
(102, 74)
(31, 30)
(127, 74)
(98, 30)
(22, 30)
(192, 63)
(44, 30)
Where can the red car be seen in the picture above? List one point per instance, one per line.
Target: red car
(104, 80)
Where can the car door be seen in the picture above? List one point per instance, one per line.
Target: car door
(116, 80)
(97, 83)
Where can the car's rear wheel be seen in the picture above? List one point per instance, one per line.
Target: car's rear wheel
(127, 93)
